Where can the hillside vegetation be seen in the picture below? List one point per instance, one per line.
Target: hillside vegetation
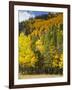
(41, 45)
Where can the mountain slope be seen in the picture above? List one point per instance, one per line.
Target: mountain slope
(41, 25)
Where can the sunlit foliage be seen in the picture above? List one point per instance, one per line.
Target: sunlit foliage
(26, 55)
(41, 45)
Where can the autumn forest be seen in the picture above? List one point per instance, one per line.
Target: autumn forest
(40, 45)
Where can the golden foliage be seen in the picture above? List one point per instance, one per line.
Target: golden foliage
(44, 40)
(26, 55)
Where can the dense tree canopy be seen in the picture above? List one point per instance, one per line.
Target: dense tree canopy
(41, 45)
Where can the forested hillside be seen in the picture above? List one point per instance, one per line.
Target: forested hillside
(41, 45)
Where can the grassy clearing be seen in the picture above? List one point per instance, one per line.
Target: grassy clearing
(39, 76)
